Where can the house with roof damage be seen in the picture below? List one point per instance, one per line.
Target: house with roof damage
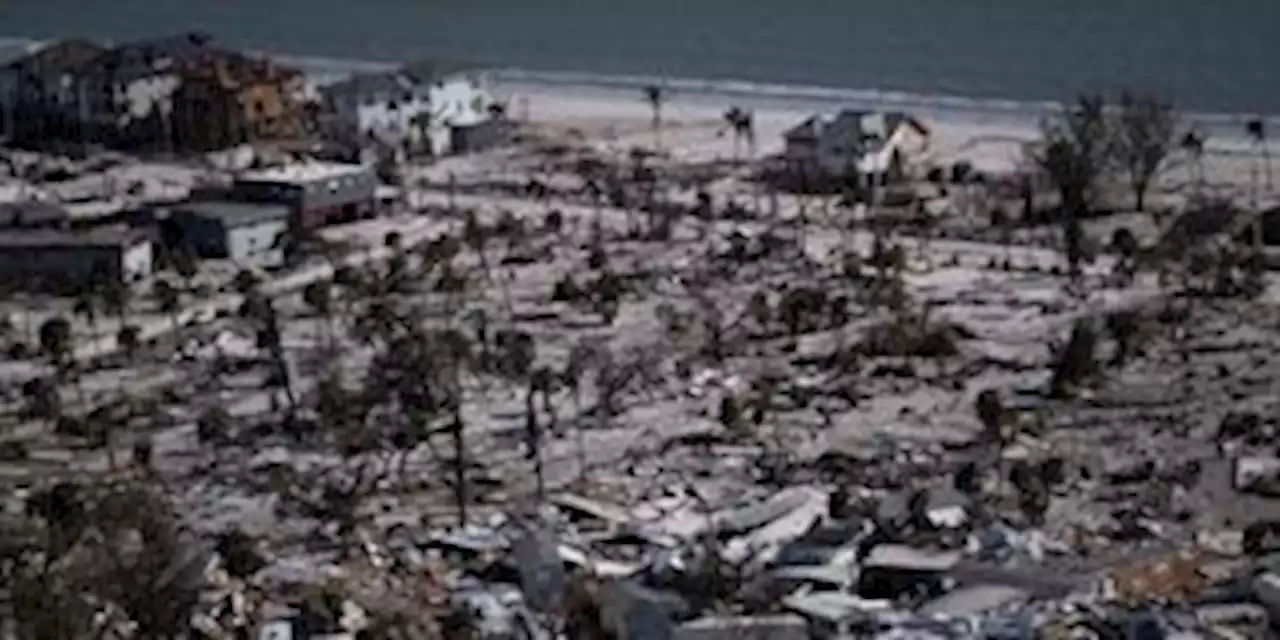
(40, 95)
(857, 146)
(173, 93)
(420, 109)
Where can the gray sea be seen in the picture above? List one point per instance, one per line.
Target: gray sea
(1210, 56)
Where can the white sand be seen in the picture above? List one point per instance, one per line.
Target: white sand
(693, 129)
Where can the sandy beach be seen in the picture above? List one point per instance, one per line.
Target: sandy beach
(992, 139)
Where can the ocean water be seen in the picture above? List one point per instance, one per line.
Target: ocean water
(1219, 56)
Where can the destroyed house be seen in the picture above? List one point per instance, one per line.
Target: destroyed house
(891, 571)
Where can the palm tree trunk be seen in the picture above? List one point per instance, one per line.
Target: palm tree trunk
(1266, 163)
(535, 441)
(459, 464)
(331, 333)
(657, 127)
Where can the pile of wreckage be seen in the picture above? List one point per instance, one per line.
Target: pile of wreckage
(913, 548)
(801, 563)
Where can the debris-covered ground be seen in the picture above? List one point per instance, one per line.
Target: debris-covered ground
(674, 408)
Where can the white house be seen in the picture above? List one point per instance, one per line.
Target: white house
(855, 145)
(402, 110)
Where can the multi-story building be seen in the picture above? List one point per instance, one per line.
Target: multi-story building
(316, 193)
(164, 93)
(230, 100)
(41, 94)
(408, 111)
(855, 145)
(42, 258)
(244, 232)
(127, 91)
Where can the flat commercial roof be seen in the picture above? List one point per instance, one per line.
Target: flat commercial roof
(115, 236)
(303, 172)
(234, 214)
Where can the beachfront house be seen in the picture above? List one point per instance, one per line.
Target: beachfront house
(406, 112)
(860, 147)
(126, 93)
(230, 99)
(39, 92)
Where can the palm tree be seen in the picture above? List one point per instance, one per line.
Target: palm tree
(1256, 128)
(246, 281)
(168, 300)
(42, 399)
(741, 124)
(319, 296)
(1193, 144)
(212, 426)
(271, 339)
(89, 305)
(115, 299)
(990, 413)
(655, 97)
(56, 341)
(1125, 243)
(184, 264)
(129, 339)
(476, 235)
(533, 434)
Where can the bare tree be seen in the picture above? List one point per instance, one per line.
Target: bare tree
(1073, 153)
(86, 547)
(991, 414)
(1145, 133)
(145, 563)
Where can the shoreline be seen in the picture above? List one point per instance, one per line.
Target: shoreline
(760, 95)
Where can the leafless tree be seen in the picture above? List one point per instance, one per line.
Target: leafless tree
(1145, 129)
(94, 548)
(1073, 153)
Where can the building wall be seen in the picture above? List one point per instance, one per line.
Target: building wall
(456, 102)
(393, 122)
(478, 137)
(203, 235)
(137, 261)
(204, 118)
(140, 98)
(319, 202)
(256, 243)
(831, 156)
(459, 101)
(36, 266)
